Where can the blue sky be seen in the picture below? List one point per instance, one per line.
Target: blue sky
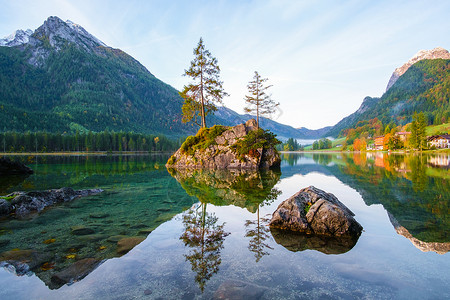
(322, 57)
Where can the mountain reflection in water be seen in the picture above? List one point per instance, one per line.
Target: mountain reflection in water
(414, 189)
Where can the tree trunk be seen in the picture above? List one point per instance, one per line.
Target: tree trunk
(203, 99)
(257, 103)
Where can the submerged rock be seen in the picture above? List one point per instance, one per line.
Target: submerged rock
(20, 262)
(126, 244)
(24, 203)
(81, 230)
(9, 167)
(218, 148)
(236, 289)
(74, 272)
(314, 211)
(5, 207)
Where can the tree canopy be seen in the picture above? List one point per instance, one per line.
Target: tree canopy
(259, 102)
(418, 138)
(201, 95)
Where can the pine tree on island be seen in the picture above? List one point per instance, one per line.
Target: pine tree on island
(205, 90)
(259, 103)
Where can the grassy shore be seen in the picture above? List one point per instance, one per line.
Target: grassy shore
(339, 150)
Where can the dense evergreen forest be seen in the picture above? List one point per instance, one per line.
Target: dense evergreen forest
(73, 89)
(13, 141)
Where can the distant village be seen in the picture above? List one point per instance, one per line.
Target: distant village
(441, 141)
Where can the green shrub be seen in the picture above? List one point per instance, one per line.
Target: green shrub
(171, 160)
(307, 207)
(204, 138)
(254, 140)
(8, 198)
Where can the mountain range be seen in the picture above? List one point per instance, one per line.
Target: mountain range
(60, 78)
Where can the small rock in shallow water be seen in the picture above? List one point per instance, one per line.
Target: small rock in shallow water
(75, 272)
(81, 230)
(99, 216)
(235, 289)
(4, 242)
(25, 203)
(126, 244)
(116, 238)
(5, 207)
(147, 292)
(145, 231)
(92, 237)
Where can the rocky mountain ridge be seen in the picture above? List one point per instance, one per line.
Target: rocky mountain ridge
(18, 37)
(435, 53)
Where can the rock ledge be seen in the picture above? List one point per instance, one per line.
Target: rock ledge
(24, 203)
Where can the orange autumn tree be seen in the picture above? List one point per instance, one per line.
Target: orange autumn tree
(386, 139)
(359, 144)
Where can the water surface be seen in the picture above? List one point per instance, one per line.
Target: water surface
(205, 233)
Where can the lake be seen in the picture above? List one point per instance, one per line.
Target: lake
(204, 234)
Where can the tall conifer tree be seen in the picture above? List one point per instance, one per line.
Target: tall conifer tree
(418, 138)
(259, 103)
(206, 90)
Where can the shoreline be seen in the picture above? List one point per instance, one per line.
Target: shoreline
(388, 152)
(80, 153)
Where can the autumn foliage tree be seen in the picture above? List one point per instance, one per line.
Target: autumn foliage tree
(259, 102)
(200, 96)
(359, 144)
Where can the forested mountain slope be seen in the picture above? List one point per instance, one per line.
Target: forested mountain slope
(62, 79)
(424, 87)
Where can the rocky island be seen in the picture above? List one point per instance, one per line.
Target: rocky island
(243, 146)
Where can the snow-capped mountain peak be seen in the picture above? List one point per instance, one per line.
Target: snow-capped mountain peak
(17, 38)
(54, 30)
(53, 35)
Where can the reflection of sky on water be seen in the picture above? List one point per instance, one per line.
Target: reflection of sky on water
(381, 265)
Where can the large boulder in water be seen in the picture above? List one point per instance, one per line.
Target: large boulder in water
(314, 211)
(9, 167)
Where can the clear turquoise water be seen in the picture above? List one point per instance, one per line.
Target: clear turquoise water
(207, 230)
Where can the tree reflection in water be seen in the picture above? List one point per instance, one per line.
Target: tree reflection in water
(248, 189)
(258, 230)
(205, 238)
